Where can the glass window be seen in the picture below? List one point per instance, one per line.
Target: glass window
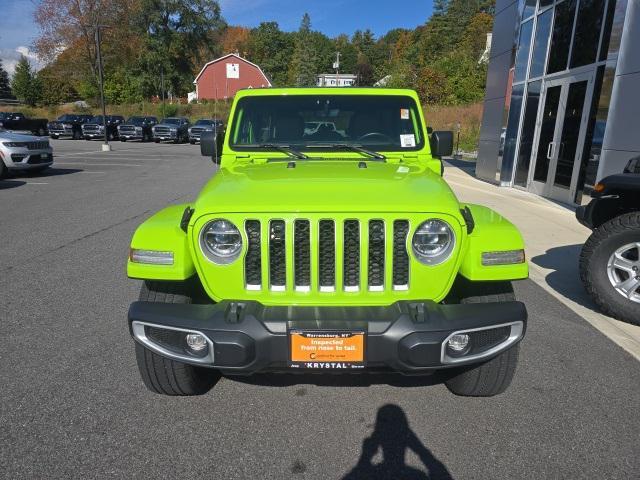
(526, 135)
(547, 131)
(561, 36)
(545, 3)
(523, 51)
(587, 36)
(597, 123)
(543, 30)
(509, 136)
(388, 123)
(613, 29)
(528, 7)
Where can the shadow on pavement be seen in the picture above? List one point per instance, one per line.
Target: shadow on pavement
(392, 436)
(565, 277)
(48, 172)
(6, 184)
(339, 379)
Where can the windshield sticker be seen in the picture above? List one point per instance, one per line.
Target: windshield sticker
(408, 140)
(404, 113)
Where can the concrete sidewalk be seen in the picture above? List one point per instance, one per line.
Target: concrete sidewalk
(553, 239)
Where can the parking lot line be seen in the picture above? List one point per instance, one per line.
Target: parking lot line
(100, 164)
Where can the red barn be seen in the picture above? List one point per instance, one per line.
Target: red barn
(223, 77)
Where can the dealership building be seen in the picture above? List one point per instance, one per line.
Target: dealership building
(562, 105)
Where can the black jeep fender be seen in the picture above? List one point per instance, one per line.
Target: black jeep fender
(614, 195)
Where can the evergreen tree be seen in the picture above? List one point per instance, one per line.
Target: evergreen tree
(5, 87)
(24, 84)
(303, 64)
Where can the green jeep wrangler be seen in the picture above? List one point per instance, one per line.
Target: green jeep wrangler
(327, 242)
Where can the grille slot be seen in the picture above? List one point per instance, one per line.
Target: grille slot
(327, 255)
(400, 256)
(351, 258)
(277, 257)
(253, 259)
(376, 255)
(302, 255)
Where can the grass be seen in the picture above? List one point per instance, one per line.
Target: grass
(438, 117)
(446, 118)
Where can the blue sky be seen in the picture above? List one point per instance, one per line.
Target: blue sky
(18, 31)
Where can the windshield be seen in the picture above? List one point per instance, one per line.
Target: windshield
(136, 120)
(171, 121)
(97, 119)
(204, 122)
(378, 122)
(4, 115)
(67, 118)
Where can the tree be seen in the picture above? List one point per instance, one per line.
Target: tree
(272, 49)
(5, 86)
(303, 64)
(24, 84)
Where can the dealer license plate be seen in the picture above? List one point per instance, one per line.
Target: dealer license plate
(322, 349)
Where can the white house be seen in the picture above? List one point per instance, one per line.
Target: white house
(336, 80)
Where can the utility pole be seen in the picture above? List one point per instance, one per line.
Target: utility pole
(162, 88)
(105, 147)
(336, 66)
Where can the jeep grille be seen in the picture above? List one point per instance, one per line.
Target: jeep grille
(364, 259)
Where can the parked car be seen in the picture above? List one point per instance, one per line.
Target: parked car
(68, 125)
(312, 256)
(610, 258)
(18, 121)
(175, 129)
(19, 152)
(95, 127)
(137, 128)
(203, 125)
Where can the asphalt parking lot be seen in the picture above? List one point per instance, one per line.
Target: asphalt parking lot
(72, 404)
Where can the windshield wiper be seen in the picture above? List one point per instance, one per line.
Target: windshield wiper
(353, 148)
(285, 149)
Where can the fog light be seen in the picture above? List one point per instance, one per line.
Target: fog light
(458, 344)
(196, 342)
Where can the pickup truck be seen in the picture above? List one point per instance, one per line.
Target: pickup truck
(18, 121)
(94, 128)
(68, 125)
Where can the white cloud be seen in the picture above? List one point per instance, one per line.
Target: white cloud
(10, 58)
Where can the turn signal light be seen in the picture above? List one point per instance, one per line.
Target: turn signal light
(508, 257)
(152, 257)
(599, 187)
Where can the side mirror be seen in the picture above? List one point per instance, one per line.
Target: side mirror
(441, 144)
(211, 145)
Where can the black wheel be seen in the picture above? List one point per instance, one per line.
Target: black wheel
(157, 140)
(4, 171)
(495, 375)
(610, 267)
(163, 375)
(123, 140)
(55, 137)
(192, 142)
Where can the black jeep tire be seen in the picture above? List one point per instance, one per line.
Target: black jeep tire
(54, 137)
(594, 259)
(163, 375)
(157, 140)
(495, 375)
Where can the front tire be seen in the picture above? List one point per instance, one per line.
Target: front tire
(4, 171)
(493, 376)
(610, 267)
(162, 375)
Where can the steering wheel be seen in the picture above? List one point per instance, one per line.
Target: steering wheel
(379, 135)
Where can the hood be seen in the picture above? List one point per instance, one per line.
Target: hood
(327, 186)
(168, 125)
(7, 135)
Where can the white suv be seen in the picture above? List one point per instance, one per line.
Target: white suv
(19, 152)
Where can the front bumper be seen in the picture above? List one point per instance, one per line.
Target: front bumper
(408, 337)
(61, 132)
(25, 159)
(92, 135)
(584, 214)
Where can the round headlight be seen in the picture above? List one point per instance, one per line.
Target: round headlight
(221, 241)
(433, 241)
